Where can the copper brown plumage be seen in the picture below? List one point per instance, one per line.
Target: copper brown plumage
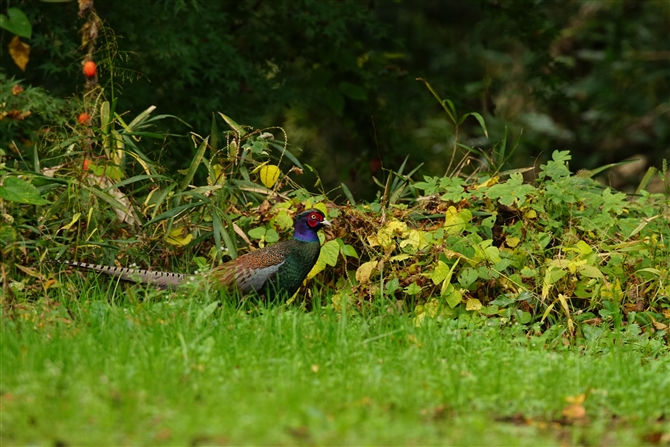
(275, 271)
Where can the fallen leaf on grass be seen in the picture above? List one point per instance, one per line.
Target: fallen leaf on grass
(657, 324)
(575, 410)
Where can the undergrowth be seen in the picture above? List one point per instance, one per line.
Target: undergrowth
(559, 249)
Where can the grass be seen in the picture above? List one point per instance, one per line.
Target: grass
(95, 370)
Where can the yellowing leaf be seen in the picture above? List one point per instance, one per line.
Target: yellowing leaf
(473, 304)
(578, 399)
(512, 241)
(75, 218)
(321, 207)
(658, 325)
(574, 411)
(385, 238)
(29, 271)
(531, 214)
(219, 175)
(432, 307)
(415, 241)
(440, 273)
(49, 283)
(454, 220)
(328, 256)
(20, 52)
(269, 175)
(175, 237)
(365, 270)
(397, 228)
(490, 182)
(401, 257)
(612, 290)
(573, 265)
(319, 266)
(584, 248)
(564, 303)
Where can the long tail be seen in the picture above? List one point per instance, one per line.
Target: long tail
(161, 280)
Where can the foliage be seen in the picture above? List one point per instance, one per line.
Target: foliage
(340, 77)
(562, 250)
(24, 111)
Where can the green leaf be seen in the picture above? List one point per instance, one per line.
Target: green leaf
(271, 236)
(197, 159)
(453, 296)
(347, 193)
(440, 273)
(257, 233)
(105, 117)
(214, 135)
(330, 251)
(352, 91)
(227, 233)
(467, 277)
(236, 127)
(286, 153)
(553, 275)
(335, 101)
(21, 191)
(205, 313)
(479, 118)
(413, 289)
(168, 214)
(513, 190)
(590, 271)
(348, 250)
(16, 23)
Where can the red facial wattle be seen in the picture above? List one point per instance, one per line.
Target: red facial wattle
(313, 220)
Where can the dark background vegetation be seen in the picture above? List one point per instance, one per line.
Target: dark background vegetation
(592, 77)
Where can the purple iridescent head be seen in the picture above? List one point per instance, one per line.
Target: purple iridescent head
(308, 223)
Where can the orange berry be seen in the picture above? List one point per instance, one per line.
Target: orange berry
(87, 162)
(84, 119)
(90, 69)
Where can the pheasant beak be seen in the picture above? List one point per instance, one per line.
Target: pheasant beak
(326, 222)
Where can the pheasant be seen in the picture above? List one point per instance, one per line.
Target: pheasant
(276, 271)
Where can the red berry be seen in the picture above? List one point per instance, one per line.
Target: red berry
(90, 68)
(84, 119)
(86, 164)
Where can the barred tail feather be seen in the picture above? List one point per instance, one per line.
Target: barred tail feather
(158, 279)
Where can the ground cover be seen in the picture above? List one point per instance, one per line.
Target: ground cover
(111, 369)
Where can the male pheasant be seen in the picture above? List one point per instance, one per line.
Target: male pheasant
(276, 271)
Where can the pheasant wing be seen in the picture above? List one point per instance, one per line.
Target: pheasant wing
(251, 272)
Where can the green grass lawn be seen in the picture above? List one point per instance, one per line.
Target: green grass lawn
(91, 370)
